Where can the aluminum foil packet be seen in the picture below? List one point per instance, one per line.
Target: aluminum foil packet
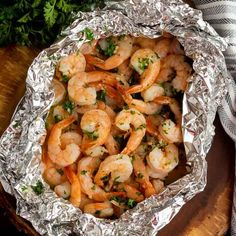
(21, 144)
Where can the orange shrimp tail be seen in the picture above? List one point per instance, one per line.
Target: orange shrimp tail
(135, 89)
(163, 100)
(151, 129)
(64, 123)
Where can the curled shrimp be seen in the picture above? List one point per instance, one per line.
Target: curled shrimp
(152, 92)
(99, 209)
(142, 176)
(59, 91)
(62, 157)
(147, 64)
(163, 161)
(86, 167)
(145, 42)
(162, 47)
(125, 69)
(147, 108)
(131, 192)
(97, 151)
(121, 53)
(63, 190)
(81, 93)
(96, 126)
(52, 174)
(118, 166)
(134, 118)
(70, 137)
(174, 67)
(72, 64)
(75, 188)
(169, 130)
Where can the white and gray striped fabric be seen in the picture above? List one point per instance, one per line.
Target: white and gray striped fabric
(221, 15)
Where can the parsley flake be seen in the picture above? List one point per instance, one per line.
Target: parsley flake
(68, 106)
(101, 95)
(131, 203)
(83, 172)
(91, 135)
(57, 118)
(88, 34)
(38, 188)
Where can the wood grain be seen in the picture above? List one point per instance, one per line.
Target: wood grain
(206, 214)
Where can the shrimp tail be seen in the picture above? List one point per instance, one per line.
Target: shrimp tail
(75, 197)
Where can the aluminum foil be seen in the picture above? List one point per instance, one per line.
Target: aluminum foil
(20, 145)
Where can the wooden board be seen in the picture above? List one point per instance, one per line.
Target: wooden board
(206, 214)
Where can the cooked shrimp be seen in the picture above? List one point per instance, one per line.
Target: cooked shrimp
(131, 192)
(176, 47)
(125, 69)
(145, 42)
(59, 91)
(174, 67)
(52, 174)
(163, 161)
(118, 166)
(63, 190)
(152, 92)
(162, 47)
(75, 193)
(147, 108)
(121, 53)
(62, 157)
(147, 64)
(101, 209)
(89, 47)
(70, 137)
(96, 126)
(97, 151)
(78, 88)
(170, 131)
(111, 145)
(133, 117)
(84, 201)
(142, 176)
(158, 185)
(86, 167)
(72, 64)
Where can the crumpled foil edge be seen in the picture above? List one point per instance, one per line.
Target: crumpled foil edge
(20, 145)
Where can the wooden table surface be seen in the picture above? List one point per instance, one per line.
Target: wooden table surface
(206, 214)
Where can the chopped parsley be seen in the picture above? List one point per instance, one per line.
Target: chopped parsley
(131, 203)
(143, 126)
(57, 118)
(105, 179)
(64, 78)
(101, 95)
(24, 188)
(118, 199)
(161, 144)
(109, 48)
(138, 193)
(60, 171)
(88, 34)
(17, 123)
(119, 157)
(140, 175)
(83, 172)
(97, 212)
(68, 106)
(38, 188)
(132, 112)
(94, 187)
(165, 128)
(143, 63)
(91, 135)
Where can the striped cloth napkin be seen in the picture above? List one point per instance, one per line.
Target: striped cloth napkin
(222, 16)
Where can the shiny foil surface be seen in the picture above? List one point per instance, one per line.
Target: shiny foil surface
(21, 143)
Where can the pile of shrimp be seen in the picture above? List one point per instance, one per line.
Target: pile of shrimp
(114, 130)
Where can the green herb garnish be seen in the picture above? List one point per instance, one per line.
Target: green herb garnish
(91, 135)
(143, 63)
(143, 126)
(68, 106)
(38, 188)
(57, 118)
(131, 203)
(140, 175)
(83, 172)
(64, 78)
(88, 34)
(94, 187)
(110, 49)
(101, 95)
